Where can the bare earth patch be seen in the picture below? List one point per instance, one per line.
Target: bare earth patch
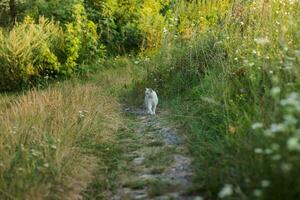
(156, 164)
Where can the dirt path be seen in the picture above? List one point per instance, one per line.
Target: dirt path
(156, 164)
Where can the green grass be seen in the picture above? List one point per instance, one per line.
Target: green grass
(58, 141)
(240, 73)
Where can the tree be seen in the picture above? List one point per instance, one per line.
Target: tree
(12, 11)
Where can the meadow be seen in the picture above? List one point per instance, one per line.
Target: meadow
(227, 72)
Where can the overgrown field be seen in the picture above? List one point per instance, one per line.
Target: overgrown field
(235, 89)
(228, 70)
(53, 141)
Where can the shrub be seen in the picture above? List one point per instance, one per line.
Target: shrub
(28, 51)
(81, 41)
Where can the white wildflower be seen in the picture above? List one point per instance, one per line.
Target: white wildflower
(286, 167)
(262, 40)
(275, 91)
(258, 150)
(165, 30)
(46, 165)
(257, 192)
(20, 169)
(290, 120)
(268, 151)
(293, 144)
(293, 100)
(225, 191)
(256, 125)
(265, 183)
(275, 128)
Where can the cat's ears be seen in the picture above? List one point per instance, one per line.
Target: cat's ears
(148, 89)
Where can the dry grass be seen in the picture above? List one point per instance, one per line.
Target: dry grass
(40, 141)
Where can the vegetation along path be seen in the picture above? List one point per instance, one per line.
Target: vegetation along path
(156, 164)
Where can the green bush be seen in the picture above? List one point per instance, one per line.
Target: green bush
(28, 51)
(81, 41)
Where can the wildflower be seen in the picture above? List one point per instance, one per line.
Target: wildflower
(225, 191)
(275, 91)
(257, 192)
(254, 52)
(136, 62)
(262, 40)
(265, 183)
(286, 167)
(251, 64)
(258, 150)
(236, 59)
(256, 125)
(277, 128)
(34, 152)
(268, 151)
(292, 100)
(293, 144)
(20, 169)
(82, 113)
(271, 72)
(46, 165)
(53, 146)
(290, 120)
(165, 30)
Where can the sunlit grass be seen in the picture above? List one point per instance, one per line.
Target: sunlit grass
(42, 131)
(238, 74)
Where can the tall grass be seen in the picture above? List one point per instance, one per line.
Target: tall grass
(230, 88)
(46, 136)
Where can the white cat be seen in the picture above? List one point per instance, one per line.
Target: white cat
(151, 101)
